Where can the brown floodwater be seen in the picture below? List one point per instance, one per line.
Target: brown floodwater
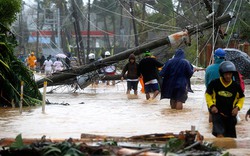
(107, 110)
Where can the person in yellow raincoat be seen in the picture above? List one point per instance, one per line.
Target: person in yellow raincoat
(31, 61)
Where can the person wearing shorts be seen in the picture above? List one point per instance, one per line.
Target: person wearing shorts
(132, 74)
(148, 68)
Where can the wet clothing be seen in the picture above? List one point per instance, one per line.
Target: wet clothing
(212, 71)
(176, 75)
(42, 59)
(225, 98)
(132, 73)
(58, 66)
(179, 95)
(31, 61)
(48, 66)
(224, 125)
(131, 69)
(148, 68)
(132, 85)
(151, 87)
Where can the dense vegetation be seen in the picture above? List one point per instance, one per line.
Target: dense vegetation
(13, 71)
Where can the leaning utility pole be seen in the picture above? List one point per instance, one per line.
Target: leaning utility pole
(173, 39)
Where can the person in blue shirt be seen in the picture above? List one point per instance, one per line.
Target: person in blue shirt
(212, 71)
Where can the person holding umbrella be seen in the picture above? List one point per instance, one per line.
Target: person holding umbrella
(224, 99)
(58, 65)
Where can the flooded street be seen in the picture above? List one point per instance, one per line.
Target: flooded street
(107, 110)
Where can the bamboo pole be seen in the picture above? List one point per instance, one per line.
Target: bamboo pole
(44, 96)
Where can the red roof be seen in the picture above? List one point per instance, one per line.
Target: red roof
(84, 33)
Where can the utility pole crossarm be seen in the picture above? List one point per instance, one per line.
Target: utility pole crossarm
(206, 25)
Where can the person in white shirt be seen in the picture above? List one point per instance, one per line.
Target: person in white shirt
(48, 66)
(109, 70)
(58, 66)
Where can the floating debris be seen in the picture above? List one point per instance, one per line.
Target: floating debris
(184, 144)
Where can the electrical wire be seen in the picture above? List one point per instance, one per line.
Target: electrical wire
(237, 14)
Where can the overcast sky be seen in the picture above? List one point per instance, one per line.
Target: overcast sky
(33, 1)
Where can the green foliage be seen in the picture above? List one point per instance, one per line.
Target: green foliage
(18, 144)
(110, 143)
(9, 10)
(51, 150)
(12, 70)
(165, 7)
(173, 145)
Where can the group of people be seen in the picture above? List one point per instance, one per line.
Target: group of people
(173, 80)
(224, 95)
(107, 70)
(224, 86)
(50, 67)
(46, 65)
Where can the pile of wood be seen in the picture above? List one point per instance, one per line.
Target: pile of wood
(184, 143)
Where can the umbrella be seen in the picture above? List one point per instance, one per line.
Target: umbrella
(240, 59)
(60, 55)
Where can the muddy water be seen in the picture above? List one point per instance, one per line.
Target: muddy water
(107, 110)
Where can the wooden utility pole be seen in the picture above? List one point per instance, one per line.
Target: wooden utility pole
(37, 28)
(21, 36)
(78, 35)
(88, 35)
(173, 39)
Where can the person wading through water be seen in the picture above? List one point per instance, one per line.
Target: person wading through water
(212, 71)
(176, 74)
(148, 68)
(131, 68)
(224, 98)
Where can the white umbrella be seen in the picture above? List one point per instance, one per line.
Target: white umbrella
(60, 55)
